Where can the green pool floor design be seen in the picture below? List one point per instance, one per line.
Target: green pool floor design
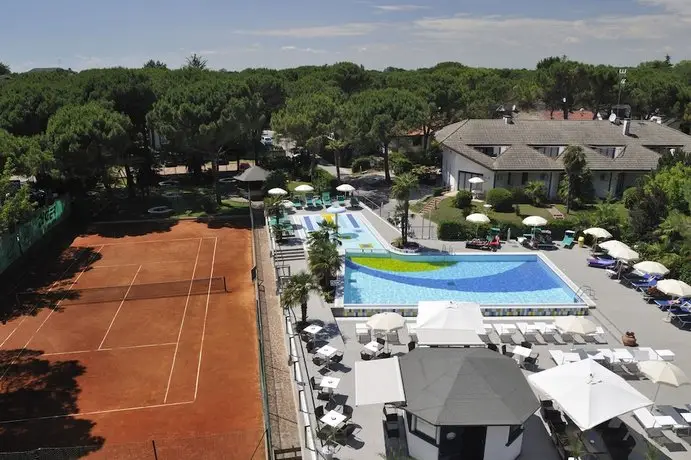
(397, 265)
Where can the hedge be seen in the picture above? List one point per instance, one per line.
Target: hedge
(463, 199)
(500, 199)
(452, 230)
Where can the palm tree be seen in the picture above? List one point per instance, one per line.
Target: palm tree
(324, 261)
(535, 191)
(297, 292)
(575, 165)
(338, 146)
(402, 187)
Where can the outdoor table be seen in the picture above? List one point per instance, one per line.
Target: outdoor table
(373, 346)
(327, 351)
(330, 383)
(333, 419)
(593, 442)
(623, 355)
(313, 329)
(571, 357)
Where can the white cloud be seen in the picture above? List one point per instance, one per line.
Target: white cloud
(672, 6)
(338, 30)
(302, 50)
(399, 8)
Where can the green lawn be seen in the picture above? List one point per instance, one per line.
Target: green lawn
(623, 212)
(229, 207)
(447, 211)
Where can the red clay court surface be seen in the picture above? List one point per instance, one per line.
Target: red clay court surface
(182, 370)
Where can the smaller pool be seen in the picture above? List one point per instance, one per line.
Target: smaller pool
(353, 233)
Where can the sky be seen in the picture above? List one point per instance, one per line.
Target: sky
(233, 34)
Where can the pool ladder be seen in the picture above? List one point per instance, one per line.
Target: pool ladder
(587, 290)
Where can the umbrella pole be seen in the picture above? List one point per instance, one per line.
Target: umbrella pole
(656, 392)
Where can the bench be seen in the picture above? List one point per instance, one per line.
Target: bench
(556, 214)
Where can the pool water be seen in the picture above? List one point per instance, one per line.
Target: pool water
(353, 233)
(484, 279)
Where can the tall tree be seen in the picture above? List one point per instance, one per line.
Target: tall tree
(195, 61)
(575, 166)
(151, 64)
(602, 83)
(4, 69)
(561, 82)
(201, 119)
(88, 141)
(403, 186)
(385, 114)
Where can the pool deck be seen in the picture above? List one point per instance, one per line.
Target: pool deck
(619, 309)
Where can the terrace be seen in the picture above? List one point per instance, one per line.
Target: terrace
(619, 309)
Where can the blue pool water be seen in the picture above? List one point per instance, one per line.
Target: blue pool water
(353, 233)
(485, 279)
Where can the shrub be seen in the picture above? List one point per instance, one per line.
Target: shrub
(558, 227)
(402, 166)
(437, 191)
(452, 231)
(322, 181)
(500, 199)
(519, 195)
(397, 243)
(517, 209)
(463, 199)
(361, 164)
(631, 197)
(275, 179)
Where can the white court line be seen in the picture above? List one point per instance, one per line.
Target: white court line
(206, 313)
(53, 285)
(182, 322)
(122, 302)
(96, 412)
(146, 263)
(158, 241)
(149, 345)
(21, 352)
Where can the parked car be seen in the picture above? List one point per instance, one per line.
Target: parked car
(267, 140)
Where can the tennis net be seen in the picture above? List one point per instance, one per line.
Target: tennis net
(200, 286)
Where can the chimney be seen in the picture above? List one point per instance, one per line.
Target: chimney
(508, 119)
(626, 130)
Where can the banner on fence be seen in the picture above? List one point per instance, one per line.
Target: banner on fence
(13, 245)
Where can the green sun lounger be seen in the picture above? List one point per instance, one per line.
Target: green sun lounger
(341, 200)
(326, 198)
(568, 241)
(297, 202)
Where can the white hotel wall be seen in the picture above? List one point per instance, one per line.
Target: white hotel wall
(495, 444)
(418, 448)
(453, 162)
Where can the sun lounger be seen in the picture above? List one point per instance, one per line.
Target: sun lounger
(477, 243)
(326, 198)
(671, 303)
(598, 262)
(683, 321)
(649, 421)
(341, 200)
(643, 285)
(680, 425)
(297, 203)
(568, 240)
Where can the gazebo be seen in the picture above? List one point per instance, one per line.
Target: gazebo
(472, 401)
(252, 175)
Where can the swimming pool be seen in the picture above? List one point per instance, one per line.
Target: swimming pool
(516, 279)
(353, 233)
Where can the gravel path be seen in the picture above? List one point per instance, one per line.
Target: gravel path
(279, 382)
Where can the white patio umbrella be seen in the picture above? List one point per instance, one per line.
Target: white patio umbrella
(277, 192)
(663, 372)
(385, 322)
(336, 210)
(619, 250)
(304, 188)
(476, 180)
(477, 218)
(534, 221)
(597, 233)
(589, 393)
(674, 288)
(651, 268)
(347, 188)
(575, 324)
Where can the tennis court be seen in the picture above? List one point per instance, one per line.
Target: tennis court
(160, 328)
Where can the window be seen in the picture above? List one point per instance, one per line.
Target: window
(607, 150)
(524, 178)
(514, 432)
(508, 180)
(425, 430)
(486, 149)
(551, 151)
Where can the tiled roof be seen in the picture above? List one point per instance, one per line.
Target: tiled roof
(521, 135)
(573, 116)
